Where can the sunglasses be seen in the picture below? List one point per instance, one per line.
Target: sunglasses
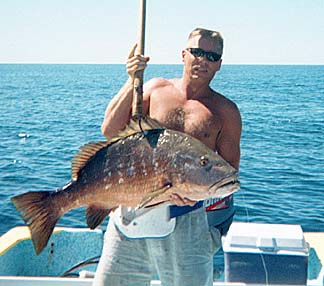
(210, 56)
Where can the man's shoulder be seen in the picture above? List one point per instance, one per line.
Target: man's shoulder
(160, 82)
(227, 110)
(224, 103)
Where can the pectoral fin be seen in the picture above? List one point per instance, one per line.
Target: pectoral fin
(152, 195)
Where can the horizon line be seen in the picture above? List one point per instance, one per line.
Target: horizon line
(157, 63)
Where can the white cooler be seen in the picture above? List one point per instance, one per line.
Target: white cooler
(266, 254)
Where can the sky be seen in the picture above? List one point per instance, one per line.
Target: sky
(103, 31)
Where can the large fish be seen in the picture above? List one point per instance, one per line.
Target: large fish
(141, 167)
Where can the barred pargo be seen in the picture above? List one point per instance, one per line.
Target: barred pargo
(141, 167)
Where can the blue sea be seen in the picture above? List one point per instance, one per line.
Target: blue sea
(49, 111)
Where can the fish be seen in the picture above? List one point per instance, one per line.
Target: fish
(141, 167)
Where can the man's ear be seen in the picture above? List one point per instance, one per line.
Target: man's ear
(183, 55)
(219, 64)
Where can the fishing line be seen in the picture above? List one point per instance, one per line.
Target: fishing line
(140, 125)
(265, 269)
(245, 205)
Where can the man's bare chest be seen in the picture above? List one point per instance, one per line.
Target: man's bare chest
(194, 119)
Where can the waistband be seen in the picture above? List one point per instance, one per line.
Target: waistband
(209, 204)
(178, 211)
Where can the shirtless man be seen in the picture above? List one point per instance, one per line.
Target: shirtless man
(185, 256)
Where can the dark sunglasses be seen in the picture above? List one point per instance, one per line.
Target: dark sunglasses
(210, 56)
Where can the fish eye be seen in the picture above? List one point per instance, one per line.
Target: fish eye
(203, 161)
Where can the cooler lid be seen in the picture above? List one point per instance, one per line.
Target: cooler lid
(266, 238)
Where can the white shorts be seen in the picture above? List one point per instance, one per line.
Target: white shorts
(184, 258)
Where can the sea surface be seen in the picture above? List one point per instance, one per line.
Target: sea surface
(48, 111)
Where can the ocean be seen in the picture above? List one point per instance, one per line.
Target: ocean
(49, 111)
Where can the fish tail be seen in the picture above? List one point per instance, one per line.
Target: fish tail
(38, 212)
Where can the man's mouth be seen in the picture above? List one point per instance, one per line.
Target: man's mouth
(199, 69)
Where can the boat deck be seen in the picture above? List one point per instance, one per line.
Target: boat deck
(28, 269)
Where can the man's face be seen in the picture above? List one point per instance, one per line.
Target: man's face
(201, 64)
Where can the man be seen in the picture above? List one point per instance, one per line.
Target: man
(184, 255)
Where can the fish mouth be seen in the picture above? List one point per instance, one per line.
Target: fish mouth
(225, 187)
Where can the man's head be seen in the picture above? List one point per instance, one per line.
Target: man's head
(214, 36)
(202, 56)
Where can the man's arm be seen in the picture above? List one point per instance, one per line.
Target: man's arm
(118, 111)
(228, 141)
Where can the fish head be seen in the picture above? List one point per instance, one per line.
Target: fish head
(204, 173)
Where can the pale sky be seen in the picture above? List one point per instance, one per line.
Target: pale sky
(103, 31)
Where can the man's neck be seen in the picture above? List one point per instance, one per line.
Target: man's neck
(194, 89)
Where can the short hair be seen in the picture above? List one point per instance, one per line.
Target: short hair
(213, 35)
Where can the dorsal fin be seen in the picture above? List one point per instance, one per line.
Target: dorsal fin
(85, 153)
(90, 149)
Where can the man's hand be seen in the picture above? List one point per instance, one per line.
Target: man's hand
(179, 201)
(135, 62)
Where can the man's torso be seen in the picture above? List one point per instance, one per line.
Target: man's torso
(201, 118)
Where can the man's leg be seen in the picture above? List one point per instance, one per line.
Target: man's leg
(185, 258)
(123, 261)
